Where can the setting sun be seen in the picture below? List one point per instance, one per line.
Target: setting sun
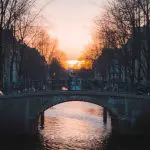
(77, 64)
(72, 62)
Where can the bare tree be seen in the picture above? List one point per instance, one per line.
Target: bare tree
(46, 45)
(10, 11)
(145, 9)
(92, 50)
(61, 57)
(122, 24)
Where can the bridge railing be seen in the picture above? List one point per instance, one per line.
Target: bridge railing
(79, 84)
(84, 84)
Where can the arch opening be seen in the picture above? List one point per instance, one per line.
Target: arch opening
(78, 110)
(74, 106)
(56, 100)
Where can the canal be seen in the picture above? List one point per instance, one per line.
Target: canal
(75, 126)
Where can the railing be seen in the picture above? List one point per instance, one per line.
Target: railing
(69, 84)
(78, 84)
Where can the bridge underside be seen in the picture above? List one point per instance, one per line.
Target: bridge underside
(49, 102)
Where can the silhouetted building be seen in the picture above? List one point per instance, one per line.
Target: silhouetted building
(10, 55)
(107, 67)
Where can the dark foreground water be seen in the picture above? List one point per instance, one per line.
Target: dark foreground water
(75, 126)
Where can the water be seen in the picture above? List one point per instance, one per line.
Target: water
(75, 126)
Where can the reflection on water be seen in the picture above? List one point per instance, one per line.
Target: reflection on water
(75, 125)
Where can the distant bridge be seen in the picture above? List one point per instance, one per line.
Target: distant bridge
(20, 113)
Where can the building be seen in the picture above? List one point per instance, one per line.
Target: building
(10, 52)
(134, 55)
(108, 67)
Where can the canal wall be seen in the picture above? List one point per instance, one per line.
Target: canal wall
(17, 116)
(131, 126)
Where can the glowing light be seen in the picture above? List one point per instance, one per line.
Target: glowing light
(72, 62)
(77, 64)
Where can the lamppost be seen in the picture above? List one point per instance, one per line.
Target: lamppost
(53, 80)
(95, 75)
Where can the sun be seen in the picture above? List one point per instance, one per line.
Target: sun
(77, 64)
(71, 63)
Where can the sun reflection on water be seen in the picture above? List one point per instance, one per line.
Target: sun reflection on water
(74, 125)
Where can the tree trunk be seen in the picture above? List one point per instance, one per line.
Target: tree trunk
(11, 67)
(1, 60)
(148, 49)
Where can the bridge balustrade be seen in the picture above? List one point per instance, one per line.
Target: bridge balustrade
(84, 84)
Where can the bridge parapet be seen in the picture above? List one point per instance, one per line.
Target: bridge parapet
(21, 112)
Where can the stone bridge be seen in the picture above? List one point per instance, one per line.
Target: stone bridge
(20, 114)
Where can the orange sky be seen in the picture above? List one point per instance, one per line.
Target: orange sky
(71, 21)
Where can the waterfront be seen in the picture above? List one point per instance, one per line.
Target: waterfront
(74, 126)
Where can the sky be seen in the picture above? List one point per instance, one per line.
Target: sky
(71, 22)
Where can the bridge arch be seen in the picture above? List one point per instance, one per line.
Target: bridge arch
(61, 99)
(99, 101)
(55, 100)
(26, 107)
